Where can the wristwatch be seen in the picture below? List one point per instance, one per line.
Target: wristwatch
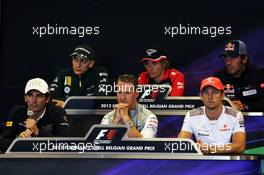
(130, 124)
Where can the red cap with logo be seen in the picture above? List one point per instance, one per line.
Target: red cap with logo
(212, 81)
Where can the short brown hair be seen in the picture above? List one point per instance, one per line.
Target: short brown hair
(128, 78)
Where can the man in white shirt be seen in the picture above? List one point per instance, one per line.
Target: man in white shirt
(141, 121)
(218, 129)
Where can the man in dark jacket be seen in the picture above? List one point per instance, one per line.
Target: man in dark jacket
(244, 83)
(38, 118)
(83, 79)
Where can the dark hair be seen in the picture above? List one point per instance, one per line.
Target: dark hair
(166, 63)
(244, 57)
(128, 78)
(47, 95)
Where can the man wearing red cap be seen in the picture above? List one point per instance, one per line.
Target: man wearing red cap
(157, 72)
(217, 128)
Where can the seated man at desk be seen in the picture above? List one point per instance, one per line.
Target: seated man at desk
(37, 118)
(244, 83)
(157, 71)
(218, 129)
(82, 79)
(141, 121)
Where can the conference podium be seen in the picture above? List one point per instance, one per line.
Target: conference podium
(107, 150)
(87, 111)
(92, 150)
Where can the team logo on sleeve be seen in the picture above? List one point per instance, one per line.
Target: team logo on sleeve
(56, 80)
(67, 89)
(241, 123)
(152, 122)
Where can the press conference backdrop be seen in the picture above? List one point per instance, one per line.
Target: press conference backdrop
(32, 45)
(37, 37)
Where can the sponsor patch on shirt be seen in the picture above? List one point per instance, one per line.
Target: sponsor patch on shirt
(64, 124)
(241, 124)
(180, 85)
(103, 80)
(203, 133)
(55, 80)
(225, 128)
(67, 89)
(9, 124)
(68, 80)
(229, 88)
(53, 85)
(52, 89)
(249, 92)
(103, 74)
(173, 73)
(153, 122)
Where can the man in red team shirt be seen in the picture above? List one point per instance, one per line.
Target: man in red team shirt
(157, 72)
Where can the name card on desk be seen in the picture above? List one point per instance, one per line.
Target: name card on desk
(80, 105)
(159, 101)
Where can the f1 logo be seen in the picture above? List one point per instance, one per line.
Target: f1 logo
(110, 134)
(101, 134)
(146, 93)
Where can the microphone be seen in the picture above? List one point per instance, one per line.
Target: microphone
(30, 114)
